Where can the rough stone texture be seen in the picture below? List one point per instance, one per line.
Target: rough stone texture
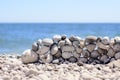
(67, 48)
(105, 40)
(85, 53)
(56, 38)
(68, 42)
(95, 54)
(102, 46)
(35, 46)
(68, 71)
(117, 55)
(47, 42)
(46, 58)
(29, 56)
(66, 55)
(111, 52)
(90, 47)
(54, 49)
(116, 47)
(43, 50)
(91, 50)
(91, 39)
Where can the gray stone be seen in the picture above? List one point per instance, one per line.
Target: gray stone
(61, 43)
(56, 38)
(76, 43)
(73, 59)
(39, 42)
(35, 46)
(82, 43)
(58, 54)
(85, 53)
(47, 42)
(116, 47)
(54, 49)
(68, 48)
(117, 39)
(117, 55)
(90, 47)
(82, 59)
(43, 50)
(75, 54)
(91, 39)
(111, 52)
(63, 37)
(46, 58)
(56, 61)
(105, 40)
(101, 51)
(74, 38)
(29, 56)
(102, 46)
(78, 49)
(95, 54)
(66, 55)
(104, 58)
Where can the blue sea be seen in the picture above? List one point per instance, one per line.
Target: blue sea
(16, 37)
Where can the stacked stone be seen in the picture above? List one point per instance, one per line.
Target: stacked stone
(60, 49)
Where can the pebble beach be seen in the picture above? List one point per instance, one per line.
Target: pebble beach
(11, 68)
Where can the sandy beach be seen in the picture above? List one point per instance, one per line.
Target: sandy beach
(11, 68)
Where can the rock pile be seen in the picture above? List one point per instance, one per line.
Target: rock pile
(60, 49)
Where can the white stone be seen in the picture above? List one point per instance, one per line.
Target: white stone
(68, 48)
(46, 58)
(39, 42)
(43, 50)
(58, 54)
(66, 55)
(29, 56)
(47, 42)
(56, 61)
(56, 38)
(61, 43)
(117, 55)
(90, 47)
(68, 42)
(54, 49)
(117, 39)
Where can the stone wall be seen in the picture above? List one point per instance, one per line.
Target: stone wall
(60, 49)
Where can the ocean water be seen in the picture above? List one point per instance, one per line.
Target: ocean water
(16, 37)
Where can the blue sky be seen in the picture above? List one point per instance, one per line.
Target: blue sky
(60, 11)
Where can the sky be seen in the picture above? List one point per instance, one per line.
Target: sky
(79, 11)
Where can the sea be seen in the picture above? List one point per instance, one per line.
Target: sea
(17, 37)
